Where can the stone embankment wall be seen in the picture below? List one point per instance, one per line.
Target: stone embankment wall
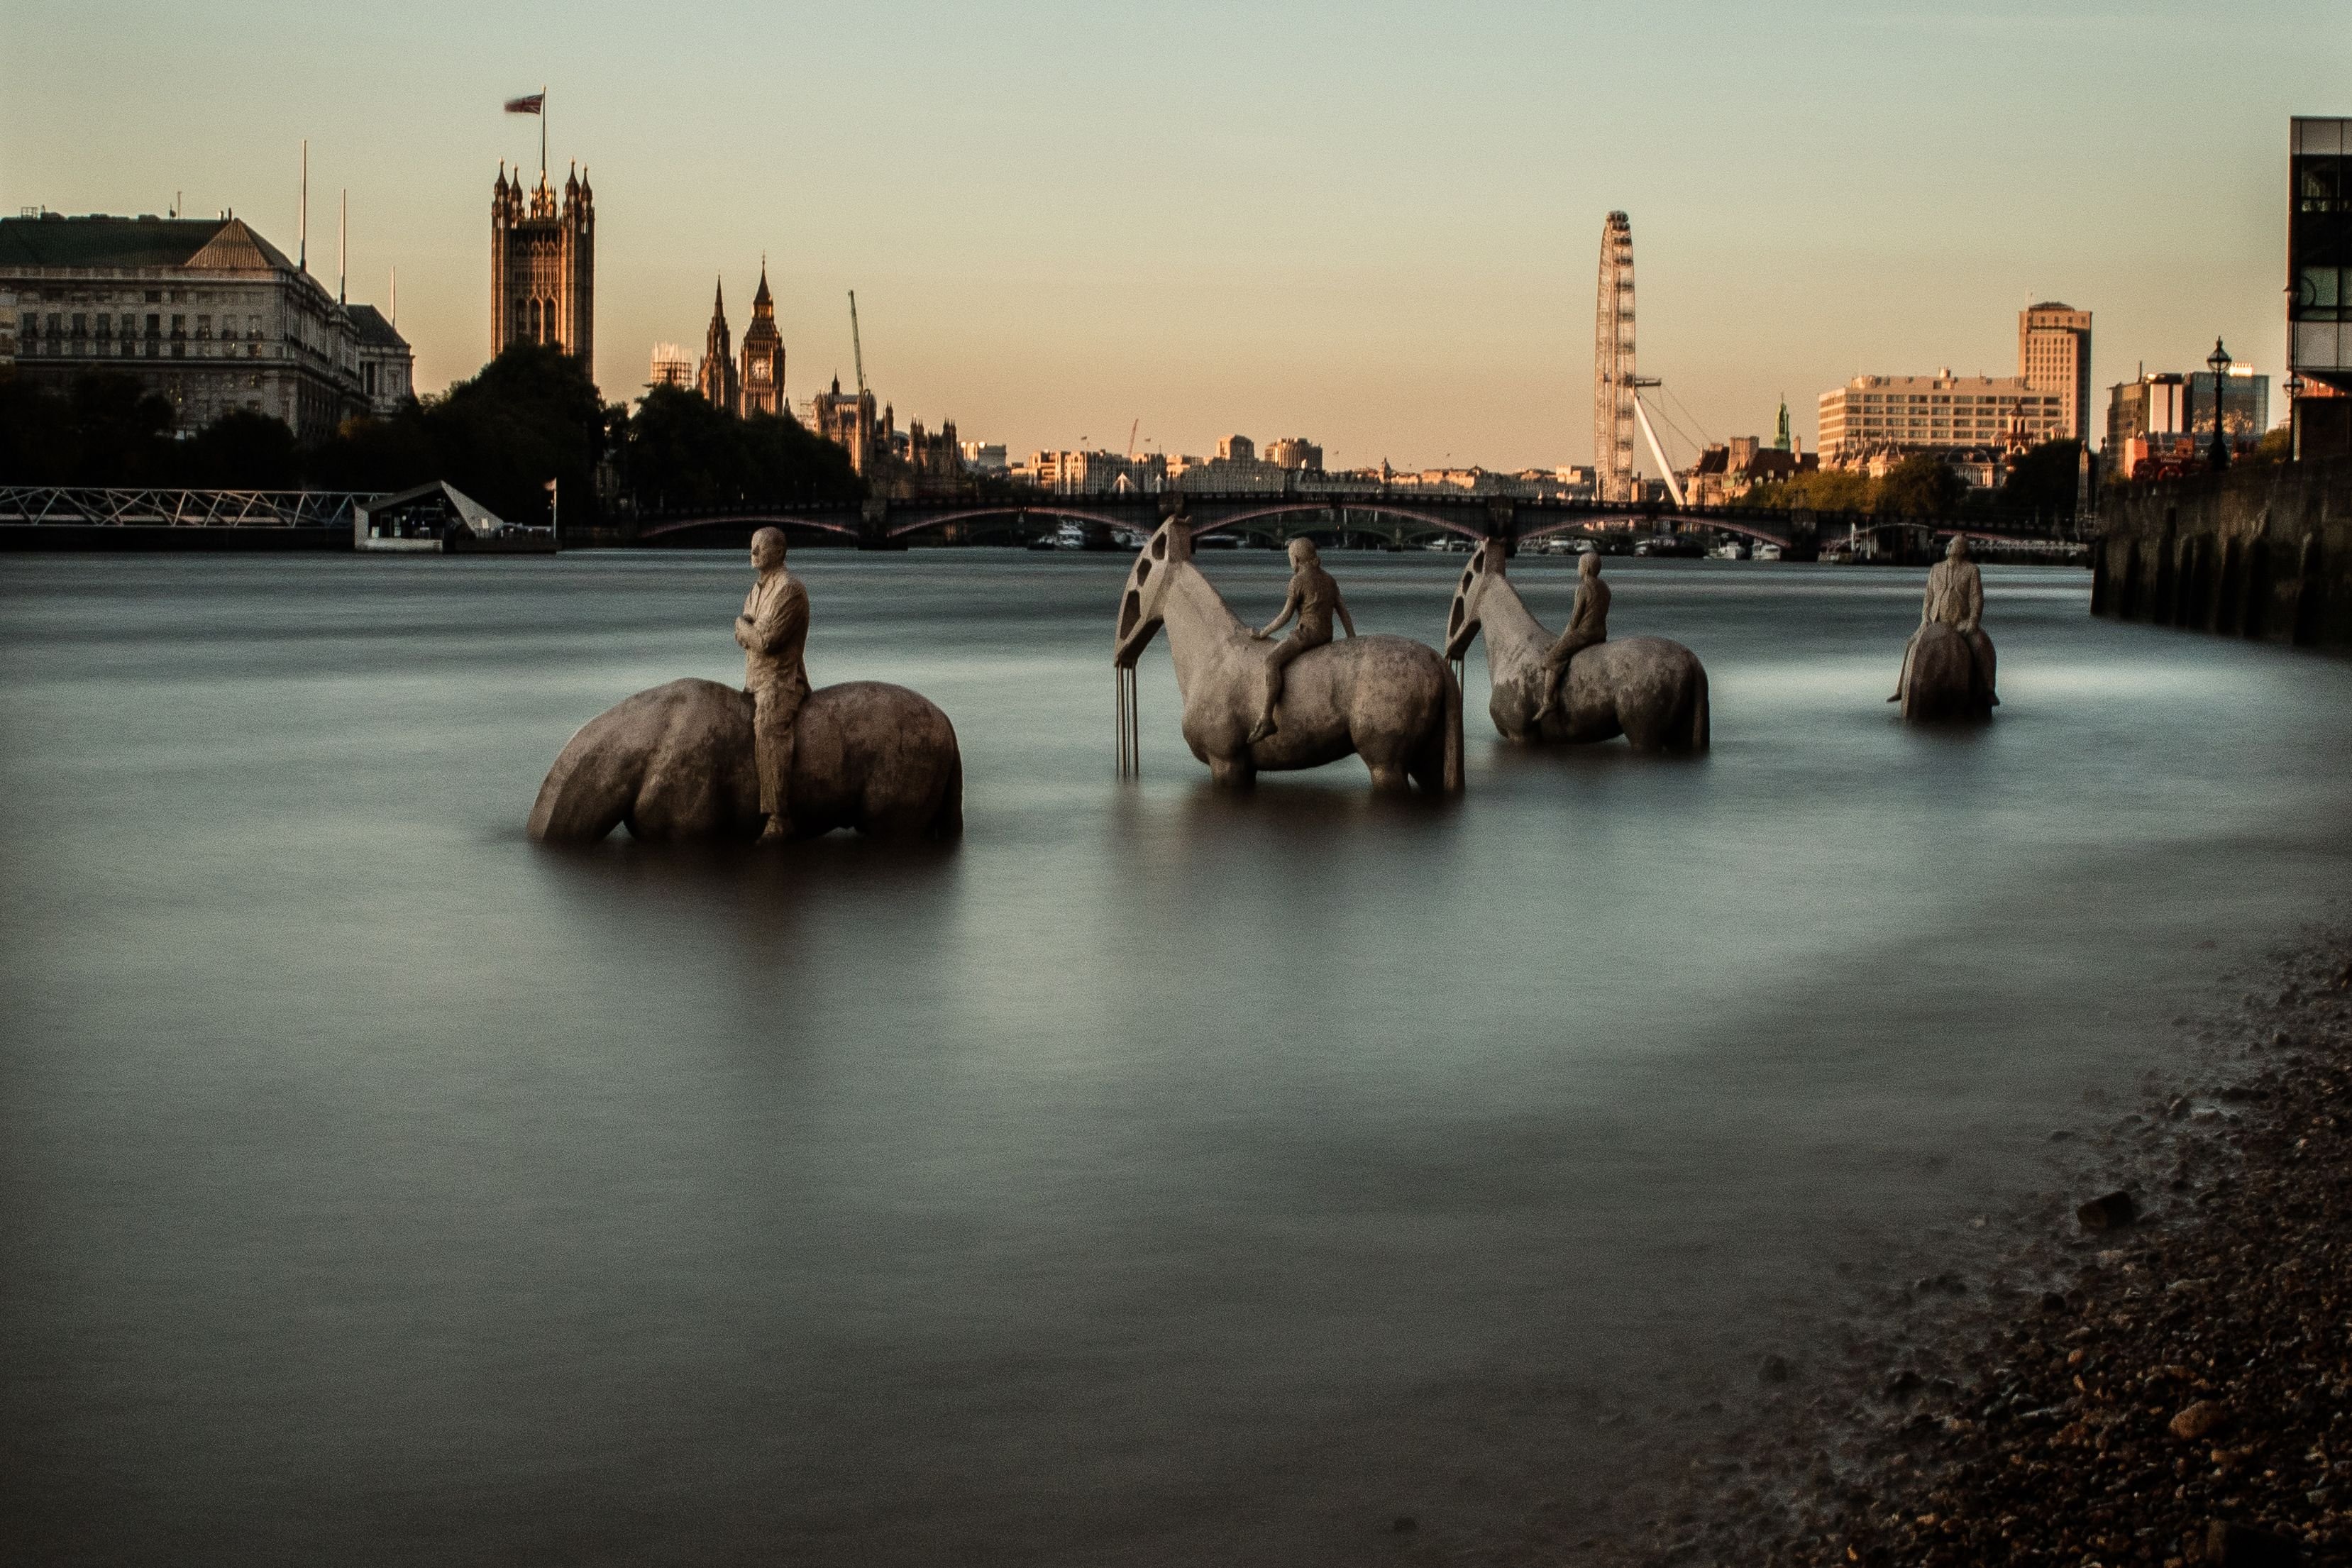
(2262, 553)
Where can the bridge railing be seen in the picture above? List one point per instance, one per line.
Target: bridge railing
(87, 506)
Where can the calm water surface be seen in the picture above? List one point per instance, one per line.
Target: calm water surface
(1158, 1178)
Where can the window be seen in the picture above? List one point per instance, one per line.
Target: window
(154, 296)
(253, 326)
(2320, 292)
(154, 325)
(80, 325)
(105, 324)
(31, 327)
(204, 326)
(179, 326)
(54, 319)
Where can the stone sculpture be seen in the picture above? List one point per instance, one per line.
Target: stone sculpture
(1314, 598)
(1948, 665)
(1588, 623)
(1649, 689)
(1388, 699)
(772, 632)
(698, 759)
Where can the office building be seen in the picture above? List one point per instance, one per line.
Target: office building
(1896, 414)
(2319, 277)
(203, 311)
(2054, 354)
(1295, 452)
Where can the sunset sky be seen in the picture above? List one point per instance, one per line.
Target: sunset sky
(1375, 226)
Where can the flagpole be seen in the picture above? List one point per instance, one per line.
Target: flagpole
(542, 133)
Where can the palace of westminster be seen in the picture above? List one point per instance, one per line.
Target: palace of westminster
(543, 290)
(213, 317)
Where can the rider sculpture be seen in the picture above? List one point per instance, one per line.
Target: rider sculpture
(1955, 599)
(1314, 598)
(1587, 624)
(773, 632)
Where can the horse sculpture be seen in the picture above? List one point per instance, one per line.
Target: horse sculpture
(1948, 674)
(1388, 699)
(1649, 689)
(675, 763)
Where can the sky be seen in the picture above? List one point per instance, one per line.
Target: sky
(1376, 225)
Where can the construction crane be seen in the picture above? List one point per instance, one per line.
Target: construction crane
(856, 351)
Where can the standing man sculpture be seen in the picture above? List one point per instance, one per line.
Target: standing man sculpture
(773, 632)
(1955, 599)
(1588, 623)
(1314, 598)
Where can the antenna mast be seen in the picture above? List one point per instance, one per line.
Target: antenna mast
(342, 244)
(856, 351)
(302, 223)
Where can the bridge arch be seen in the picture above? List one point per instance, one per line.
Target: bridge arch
(677, 525)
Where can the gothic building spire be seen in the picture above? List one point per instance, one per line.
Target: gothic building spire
(717, 382)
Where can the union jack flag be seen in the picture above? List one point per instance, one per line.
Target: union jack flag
(535, 104)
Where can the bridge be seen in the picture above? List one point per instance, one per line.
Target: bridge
(1394, 517)
(91, 506)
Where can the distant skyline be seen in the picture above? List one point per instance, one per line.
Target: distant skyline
(1373, 226)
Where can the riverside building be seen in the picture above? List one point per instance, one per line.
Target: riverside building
(2319, 279)
(1878, 415)
(203, 311)
(2054, 354)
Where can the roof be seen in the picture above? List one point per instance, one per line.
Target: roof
(1776, 462)
(469, 512)
(374, 331)
(237, 249)
(1714, 460)
(54, 240)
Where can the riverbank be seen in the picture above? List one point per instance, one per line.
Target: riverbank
(2175, 1388)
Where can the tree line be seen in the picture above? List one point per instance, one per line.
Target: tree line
(529, 415)
(2041, 483)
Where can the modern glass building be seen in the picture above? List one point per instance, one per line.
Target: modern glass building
(2319, 282)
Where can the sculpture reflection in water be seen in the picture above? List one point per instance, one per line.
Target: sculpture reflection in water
(1649, 689)
(1948, 664)
(1388, 699)
(686, 761)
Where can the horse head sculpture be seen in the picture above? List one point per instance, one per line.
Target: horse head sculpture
(1142, 602)
(1464, 622)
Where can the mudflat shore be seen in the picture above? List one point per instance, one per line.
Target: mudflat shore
(2165, 1379)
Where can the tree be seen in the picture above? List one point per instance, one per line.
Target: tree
(2043, 481)
(242, 451)
(1921, 485)
(1819, 490)
(104, 429)
(684, 452)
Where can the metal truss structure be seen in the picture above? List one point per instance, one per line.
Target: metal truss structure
(79, 506)
(1612, 365)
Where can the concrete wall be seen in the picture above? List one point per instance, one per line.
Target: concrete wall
(2262, 552)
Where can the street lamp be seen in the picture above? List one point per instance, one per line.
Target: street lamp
(2294, 385)
(2218, 362)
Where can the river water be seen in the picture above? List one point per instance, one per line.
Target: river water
(1155, 1178)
